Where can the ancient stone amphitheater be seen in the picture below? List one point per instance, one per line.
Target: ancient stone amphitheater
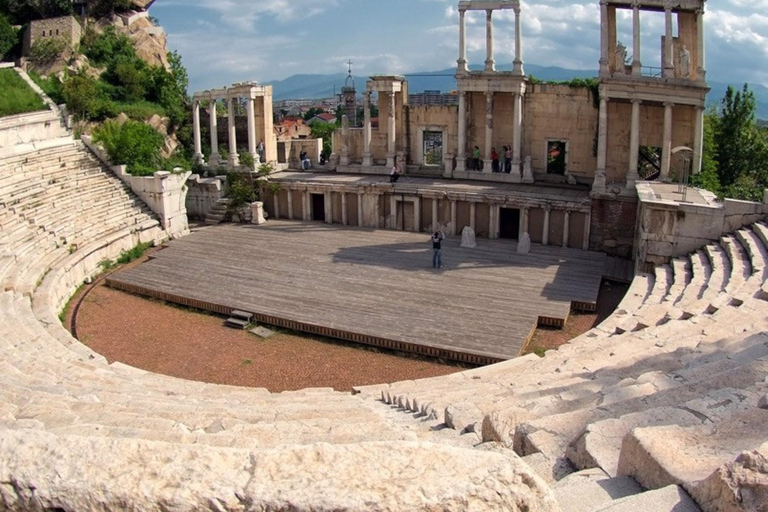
(662, 407)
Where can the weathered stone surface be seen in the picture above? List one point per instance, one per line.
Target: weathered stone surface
(468, 237)
(668, 499)
(737, 486)
(524, 244)
(40, 471)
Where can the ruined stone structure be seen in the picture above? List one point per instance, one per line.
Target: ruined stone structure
(65, 28)
(258, 103)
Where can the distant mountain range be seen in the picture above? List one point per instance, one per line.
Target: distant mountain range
(325, 86)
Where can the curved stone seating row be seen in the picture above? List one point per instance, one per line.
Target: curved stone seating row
(686, 347)
(115, 437)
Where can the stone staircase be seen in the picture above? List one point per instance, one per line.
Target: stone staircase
(218, 212)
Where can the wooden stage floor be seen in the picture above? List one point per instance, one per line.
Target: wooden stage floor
(374, 286)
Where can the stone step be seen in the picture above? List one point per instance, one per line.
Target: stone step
(577, 493)
(672, 498)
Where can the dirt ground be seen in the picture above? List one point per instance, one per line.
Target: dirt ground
(181, 342)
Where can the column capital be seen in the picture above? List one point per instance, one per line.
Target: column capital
(516, 9)
(604, 3)
(635, 100)
(668, 104)
(489, 14)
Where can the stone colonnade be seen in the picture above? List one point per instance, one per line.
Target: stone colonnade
(251, 93)
(383, 207)
(387, 87)
(489, 7)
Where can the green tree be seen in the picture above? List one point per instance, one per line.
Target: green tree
(8, 37)
(741, 148)
(324, 131)
(133, 144)
(708, 177)
(81, 94)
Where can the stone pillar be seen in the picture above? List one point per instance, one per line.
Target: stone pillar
(545, 230)
(587, 227)
(669, 67)
(488, 131)
(376, 211)
(453, 218)
(604, 38)
(598, 186)
(698, 140)
(416, 214)
(636, 65)
(344, 219)
(634, 145)
(276, 202)
(367, 156)
(214, 160)
(251, 112)
(391, 135)
(304, 205)
(290, 204)
(435, 220)
(517, 68)
(461, 159)
(493, 222)
(196, 131)
(472, 215)
(360, 209)
(525, 219)
(393, 211)
(462, 62)
(517, 139)
(328, 203)
(490, 65)
(234, 159)
(666, 147)
(701, 71)
(566, 228)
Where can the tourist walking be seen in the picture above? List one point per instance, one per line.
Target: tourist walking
(437, 241)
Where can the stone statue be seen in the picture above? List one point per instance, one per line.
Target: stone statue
(524, 244)
(468, 237)
(621, 58)
(685, 62)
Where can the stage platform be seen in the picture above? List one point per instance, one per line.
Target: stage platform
(374, 286)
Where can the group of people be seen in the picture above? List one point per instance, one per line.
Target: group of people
(497, 164)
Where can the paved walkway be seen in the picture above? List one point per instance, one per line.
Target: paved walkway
(374, 284)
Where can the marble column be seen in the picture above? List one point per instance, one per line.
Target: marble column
(359, 209)
(234, 159)
(344, 219)
(517, 68)
(634, 145)
(304, 205)
(367, 156)
(493, 228)
(391, 135)
(669, 67)
(277, 205)
(393, 212)
(461, 159)
(525, 219)
(666, 148)
(517, 138)
(698, 139)
(416, 214)
(196, 132)
(435, 220)
(604, 38)
(472, 215)
(214, 160)
(545, 229)
(488, 131)
(462, 62)
(598, 186)
(636, 64)
(453, 218)
(328, 203)
(251, 112)
(587, 227)
(566, 228)
(290, 204)
(701, 71)
(490, 65)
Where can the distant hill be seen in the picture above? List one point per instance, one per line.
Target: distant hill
(325, 86)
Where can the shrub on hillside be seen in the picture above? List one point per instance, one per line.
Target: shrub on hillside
(47, 50)
(133, 144)
(8, 37)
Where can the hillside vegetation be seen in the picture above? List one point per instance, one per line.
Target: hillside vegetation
(17, 96)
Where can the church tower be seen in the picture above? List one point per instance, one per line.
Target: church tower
(349, 98)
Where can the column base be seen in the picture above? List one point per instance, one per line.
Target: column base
(344, 160)
(598, 186)
(631, 180)
(198, 159)
(515, 172)
(390, 160)
(367, 160)
(528, 176)
(234, 160)
(214, 160)
(517, 68)
(461, 163)
(636, 68)
(490, 65)
(487, 166)
(461, 68)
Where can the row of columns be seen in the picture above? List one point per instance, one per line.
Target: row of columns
(490, 63)
(634, 143)
(494, 215)
(517, 123)
(668, 67)
(391, 131)
(215, 158)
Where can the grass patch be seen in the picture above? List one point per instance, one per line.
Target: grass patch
(65, 310)
(133, 254)
(17, 96)
(139, 110)
(247, 362)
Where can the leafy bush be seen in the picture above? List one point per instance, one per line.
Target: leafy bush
(47, 50)
(17, 97)
(8, 37)
(52, 86)
(133, 144)
(82, 96)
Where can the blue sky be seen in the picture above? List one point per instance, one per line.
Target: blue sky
(225, 41)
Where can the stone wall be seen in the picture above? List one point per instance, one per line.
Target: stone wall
(667, 229)
(202, 194)
(65, 28)
(613, 226)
